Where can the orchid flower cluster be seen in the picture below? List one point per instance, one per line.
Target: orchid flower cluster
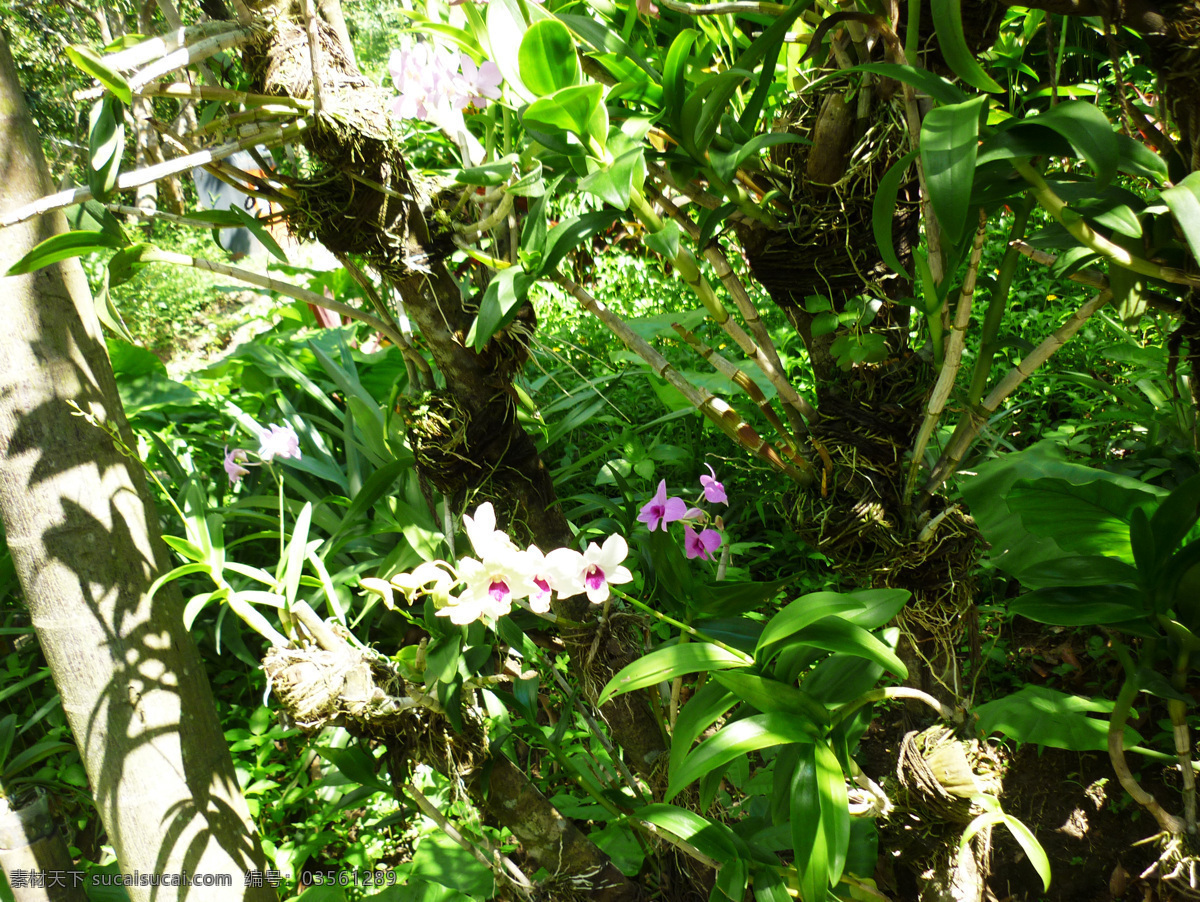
(501, 574)
(661, 511)
(273, 441)
(435, 84)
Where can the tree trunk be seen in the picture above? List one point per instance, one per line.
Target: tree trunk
(85, 545)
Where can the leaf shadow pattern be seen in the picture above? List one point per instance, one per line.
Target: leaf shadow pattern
(85, 544)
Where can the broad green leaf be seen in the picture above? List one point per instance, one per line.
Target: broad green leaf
(1174, 519)
(501, 301)
(883, 211)
(715, 840)
(86, 59)
(1090, 133)
(1080, 605)
(547, 58)
(947, 20)
(1051, 718)
(1183, 200)
(702, 111)
(259, 230)
(805, 610)
(297, 549)
(129, 261)
(728, 599)
(835, 809)
(840, 678)
(373, 488)
(809, 833)
(1092, 518)
(949, 143)
(106, 144)
(701, 712)
(665, 664)
(834, 634)
(578, 109)
(356, 764)
(1015, 549)
(61, 247)
(1135, 158)
(769, 886)
(675, 85)
(506, 30)
(726, 163)
(732, 879)
(566, 235)
(769, 695)
(734, 740)
(618, 841)
(614, 183)
(878, 607)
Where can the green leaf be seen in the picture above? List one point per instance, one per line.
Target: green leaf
(1090, 133)
(547, 58)
(129, 261)
(726, 163)
(356, 764)
(949, 144)
(564, 236)
(835, 809)
(1183, 200)
(738, 738)
(666, 240)
(1015, 549)
(769, 696)
(579, 110)
(701, 712)
(60, 247)
(1135, 158)
(614, 183)
(1092, 518)
(259, 230)
(501, 300)
(769, 886)
(86, 59)
(106, 145)
(766, 49)
(675, 87)
(506, 29)
(1174, 519)
(883, 210)
(713, 839)
(809, 836)
(840, 678)
(835, 634)
(805, 610)
(604, 38)
(947, 19)
(1032, 848)
(296, 552)
(941, 90)
(877, 606)
(704, 107)
(664, 664)
(1051, 718)
(1080, 605)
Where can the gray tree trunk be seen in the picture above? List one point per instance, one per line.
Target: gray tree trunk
(85, 544)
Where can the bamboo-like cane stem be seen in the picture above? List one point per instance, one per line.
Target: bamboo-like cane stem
(730, 371)
(768, 361)
(284, 288)
(724, 416)
(968, 429)
(952, 359)
(190, 55)
(1089, 237)
(270, 136)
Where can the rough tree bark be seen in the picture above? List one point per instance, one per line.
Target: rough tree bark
(85, 543)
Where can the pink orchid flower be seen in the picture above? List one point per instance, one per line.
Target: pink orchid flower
(662, 510)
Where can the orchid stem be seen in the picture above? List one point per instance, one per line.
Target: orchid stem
(691, 631)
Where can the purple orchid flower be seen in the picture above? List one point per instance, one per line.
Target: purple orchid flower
(661, 509)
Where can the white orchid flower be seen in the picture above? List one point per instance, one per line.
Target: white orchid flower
(486, 539)
(591, 572)
(490, 586)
